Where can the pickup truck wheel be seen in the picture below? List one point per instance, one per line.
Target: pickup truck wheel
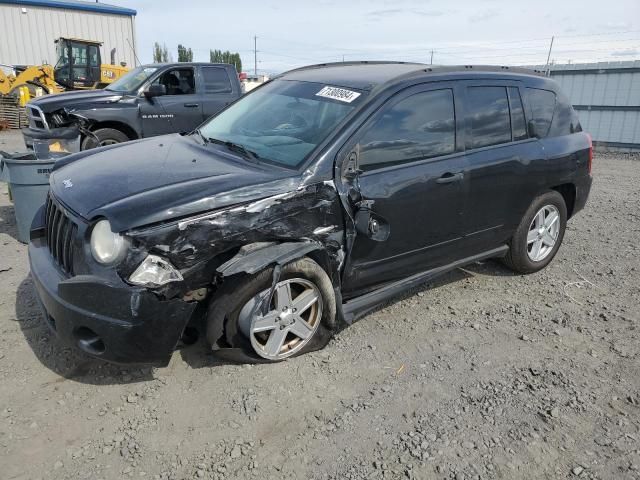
(103, 137)
(539, 235)
(300, 316)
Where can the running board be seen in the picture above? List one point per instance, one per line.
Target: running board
(358, 307)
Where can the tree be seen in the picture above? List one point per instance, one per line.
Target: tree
(157, 53)
(184, 54)
(160, 53)
(218, 56)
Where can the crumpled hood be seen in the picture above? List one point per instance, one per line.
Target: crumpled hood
(159, 179)
(51, 103)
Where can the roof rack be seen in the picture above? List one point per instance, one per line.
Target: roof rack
(351, 63)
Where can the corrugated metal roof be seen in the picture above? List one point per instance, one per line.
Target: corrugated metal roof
(74, 5)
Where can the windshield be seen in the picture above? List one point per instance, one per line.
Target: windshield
(132, 80)
(283, 121)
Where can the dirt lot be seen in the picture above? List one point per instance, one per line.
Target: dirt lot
(482, 374)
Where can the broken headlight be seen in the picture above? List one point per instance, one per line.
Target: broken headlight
(59, 118)
(155, 271)
(107, 247)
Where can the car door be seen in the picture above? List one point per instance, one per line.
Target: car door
(178, 111)
(500, 155)
(411, 187)
(217, 90)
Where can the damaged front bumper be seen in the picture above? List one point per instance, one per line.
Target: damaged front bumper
(114, 322)
(52, 141)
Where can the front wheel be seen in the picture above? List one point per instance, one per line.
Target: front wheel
(539, 235)
(299, 316)
(103, 137)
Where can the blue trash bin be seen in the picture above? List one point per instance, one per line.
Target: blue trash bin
(28, 179)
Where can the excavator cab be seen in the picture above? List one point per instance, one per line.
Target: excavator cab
(78, 63)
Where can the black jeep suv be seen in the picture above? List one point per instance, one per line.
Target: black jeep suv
(303, 205)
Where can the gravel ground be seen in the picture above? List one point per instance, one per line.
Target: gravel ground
(11, 141)
(482, 374)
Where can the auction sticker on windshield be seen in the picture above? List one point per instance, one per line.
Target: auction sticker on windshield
(335, 93)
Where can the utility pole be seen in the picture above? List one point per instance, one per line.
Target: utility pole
(546, 67)
(255, 55)
(431, 61)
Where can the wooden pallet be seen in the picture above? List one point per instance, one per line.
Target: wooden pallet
(12, 115)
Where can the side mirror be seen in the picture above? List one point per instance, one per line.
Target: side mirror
(532, 129)
(156, 90)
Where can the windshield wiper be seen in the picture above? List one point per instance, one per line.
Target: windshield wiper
(202, 137)
(234, 147)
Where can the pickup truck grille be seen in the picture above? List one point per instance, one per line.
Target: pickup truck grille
(37, 118)
(61, 231)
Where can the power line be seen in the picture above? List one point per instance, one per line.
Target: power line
(458, 46)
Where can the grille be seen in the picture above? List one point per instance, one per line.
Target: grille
(37, 119)
(60, 234)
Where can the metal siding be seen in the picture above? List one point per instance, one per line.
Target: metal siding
(629, 120)
(32, 34)
(592, 85)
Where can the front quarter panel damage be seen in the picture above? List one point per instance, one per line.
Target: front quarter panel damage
(199, 245)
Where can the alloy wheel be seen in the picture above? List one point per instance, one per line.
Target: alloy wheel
(294, 314)
(543, 233)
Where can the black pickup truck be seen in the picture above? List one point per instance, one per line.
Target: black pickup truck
(149, 100)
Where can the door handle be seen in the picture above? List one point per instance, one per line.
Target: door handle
(450, 177)
(191, 105)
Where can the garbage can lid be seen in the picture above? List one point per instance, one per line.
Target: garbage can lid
(28, 161)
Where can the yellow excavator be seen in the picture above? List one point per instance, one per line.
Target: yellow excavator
(78, 67)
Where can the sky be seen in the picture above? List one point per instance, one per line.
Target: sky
(295, 33)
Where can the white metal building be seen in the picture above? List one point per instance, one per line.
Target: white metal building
(29, 28)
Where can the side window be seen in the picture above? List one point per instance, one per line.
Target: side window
(420, 126)
(216, 80)
(179, 81)
(79, 54)
(487, 116)
(93, 56)
(543, 104)
(518, 124)
(565, 119)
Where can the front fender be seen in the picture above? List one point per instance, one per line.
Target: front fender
(257, 256)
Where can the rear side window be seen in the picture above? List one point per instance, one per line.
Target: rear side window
(543, 104)
(518, 124)
(216, 80)
(565, 119)
(417, 127)
(488, 116)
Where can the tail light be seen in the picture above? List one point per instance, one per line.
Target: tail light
(590, 153)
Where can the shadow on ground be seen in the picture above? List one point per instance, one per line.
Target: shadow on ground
(199, 354)
(67, 362)
(74, 365)
(8, 221)
(492, 268)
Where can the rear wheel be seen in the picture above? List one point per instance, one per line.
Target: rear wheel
(539, 235)
(103, 137)
(299, 317)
